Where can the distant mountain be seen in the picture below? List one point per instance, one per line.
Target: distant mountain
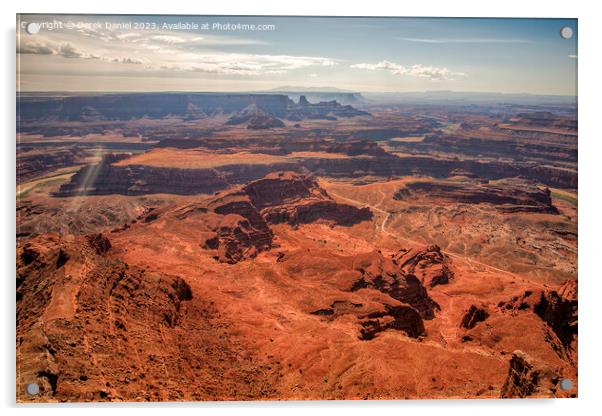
(458, 97)
(140, 105)
(267, 108)
(317, 94)
(308, 89)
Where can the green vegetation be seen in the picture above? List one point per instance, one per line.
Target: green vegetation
(565, 196)
(44, 182)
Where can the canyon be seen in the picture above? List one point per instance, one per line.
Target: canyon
(280, 246)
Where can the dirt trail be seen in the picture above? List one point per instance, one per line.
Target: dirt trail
(387, 214)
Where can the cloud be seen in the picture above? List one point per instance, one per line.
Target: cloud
(66, 50)
(572, 56)
(246, 64)
(36, 48)
(128, 35)
(168, 39)
(178, 52)
(69, 51)
(123, 60)
(394, 68)
(464, 40)
(420, 71)
(185, 40)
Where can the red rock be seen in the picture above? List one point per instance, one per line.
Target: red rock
(279, 197)
(509, 195)
(99, 242)
(528, 377)
(382, 274)
(473, 316)
(558, 312)
(91, 308)
(401, 318)
(428, 263)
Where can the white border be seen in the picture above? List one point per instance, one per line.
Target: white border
(590, 157)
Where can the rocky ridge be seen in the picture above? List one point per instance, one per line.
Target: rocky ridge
(505, 195)
(285, 197)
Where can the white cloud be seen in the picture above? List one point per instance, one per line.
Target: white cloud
(246, 64)
(69, 51)
(418, 70)
(123, 60)
(128, 35)
(159, 52)
(394, 68)
(169, 39)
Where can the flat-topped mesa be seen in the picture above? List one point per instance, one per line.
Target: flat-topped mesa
(283, 197)
(145, 105)
(281, 188)
(544, 119)
(186, 106)
(287, 197)
(106, 178)
(508, 195)
(116, 175)
(428, 264)
(327, 110)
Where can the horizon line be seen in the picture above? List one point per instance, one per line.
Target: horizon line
(276, 92)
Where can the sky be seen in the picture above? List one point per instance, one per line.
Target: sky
(229, 53)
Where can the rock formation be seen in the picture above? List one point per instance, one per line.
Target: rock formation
(528, 377)
(473, 316)
(242, 232)
(380, 318)
(106, 178)
(279, 197)
(99, 243)
(559, 311)
(189, 106)
(35, 163)
(150, 105)
(80, 313)
(428, 263)
(255, 119)
(401, 318)
(382, 274)
(506, 195)
(293, 199)
(544, 119)
(327, 110)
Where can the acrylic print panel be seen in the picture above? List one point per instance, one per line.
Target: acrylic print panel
(295, 208)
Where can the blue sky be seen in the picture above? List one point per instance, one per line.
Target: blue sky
(360, 54)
